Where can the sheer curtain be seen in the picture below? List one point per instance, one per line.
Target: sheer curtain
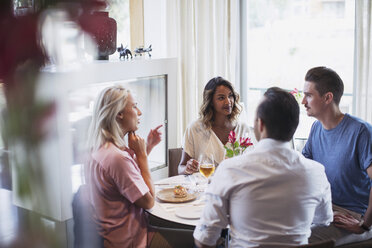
(203, 36)
(363, 61)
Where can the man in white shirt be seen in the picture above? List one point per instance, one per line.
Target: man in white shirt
(271, 195)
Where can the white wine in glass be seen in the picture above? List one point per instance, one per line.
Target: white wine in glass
(206, 165)
(207, 169)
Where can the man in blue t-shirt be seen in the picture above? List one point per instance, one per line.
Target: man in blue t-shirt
(343, 144)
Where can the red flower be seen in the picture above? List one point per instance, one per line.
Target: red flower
(232, 137)
(294, 92)
(245, 142)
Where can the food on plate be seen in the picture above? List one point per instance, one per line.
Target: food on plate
(179, 191)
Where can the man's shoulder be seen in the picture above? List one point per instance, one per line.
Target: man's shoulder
(244, 162)
(355, 121)
(312, 170)
(311, 163)
(316, 127)
(229, 170)
(231, 164)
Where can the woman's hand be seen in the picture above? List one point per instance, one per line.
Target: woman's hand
(137, 144)
(192, 166)
(348, 223)
(153, 138)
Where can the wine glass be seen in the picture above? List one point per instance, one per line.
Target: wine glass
(206, 165)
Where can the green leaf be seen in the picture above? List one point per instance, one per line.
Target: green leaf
(229, 153)
(236, 144)
(227, 149)
(237, 152)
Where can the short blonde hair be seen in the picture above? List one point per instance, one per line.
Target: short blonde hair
(104, 126)
(206, 113)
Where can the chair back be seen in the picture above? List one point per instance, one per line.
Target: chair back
(175, 155)
(85, 229)
(167, 237)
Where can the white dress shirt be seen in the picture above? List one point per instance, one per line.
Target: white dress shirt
(269, 196)
(200, 140)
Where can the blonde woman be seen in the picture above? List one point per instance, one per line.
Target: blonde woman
(117, 174)
(217, 117)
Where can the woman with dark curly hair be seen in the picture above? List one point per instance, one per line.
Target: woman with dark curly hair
(217, 117)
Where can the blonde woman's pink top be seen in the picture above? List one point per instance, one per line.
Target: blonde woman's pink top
(116, 183)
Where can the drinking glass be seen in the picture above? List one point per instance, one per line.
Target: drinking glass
(206, 165)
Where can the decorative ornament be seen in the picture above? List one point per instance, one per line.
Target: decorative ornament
(102, 29)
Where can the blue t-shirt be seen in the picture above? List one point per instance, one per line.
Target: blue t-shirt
(346, 153)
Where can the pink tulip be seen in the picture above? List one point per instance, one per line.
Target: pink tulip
(232, 137)
(294, 92)
(245, 142)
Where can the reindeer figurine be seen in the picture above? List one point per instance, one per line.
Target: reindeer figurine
(124, 52)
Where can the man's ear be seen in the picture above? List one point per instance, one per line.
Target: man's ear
(261, 125)
(328, 97)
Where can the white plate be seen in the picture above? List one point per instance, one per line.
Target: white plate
(167, 195)
(189, 212)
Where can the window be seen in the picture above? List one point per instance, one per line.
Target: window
(119, 10)
(286, 38)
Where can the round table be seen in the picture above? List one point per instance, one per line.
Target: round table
(166, 211)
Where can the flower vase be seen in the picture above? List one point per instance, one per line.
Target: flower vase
(102, 29)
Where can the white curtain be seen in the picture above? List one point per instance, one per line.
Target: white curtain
(363, 61)
(203, 36)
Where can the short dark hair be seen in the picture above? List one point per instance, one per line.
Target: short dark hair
(206, 112)
(279, 111)
(326, 80)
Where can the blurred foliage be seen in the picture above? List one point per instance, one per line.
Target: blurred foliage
(26, 117)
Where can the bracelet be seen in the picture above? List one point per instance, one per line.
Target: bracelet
(364, 227)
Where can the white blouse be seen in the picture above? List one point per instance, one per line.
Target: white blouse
(200, 140)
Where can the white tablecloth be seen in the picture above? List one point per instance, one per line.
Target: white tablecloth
(167, 211)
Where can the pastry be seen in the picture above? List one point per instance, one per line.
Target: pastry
(179, 191)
